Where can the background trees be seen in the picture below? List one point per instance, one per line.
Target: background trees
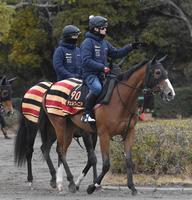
(32, 28)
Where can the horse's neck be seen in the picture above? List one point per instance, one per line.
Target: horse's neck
(130, 90)
(137, 79)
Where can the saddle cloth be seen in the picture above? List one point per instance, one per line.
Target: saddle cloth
(32, 101)
(67, 97)
(62, 100)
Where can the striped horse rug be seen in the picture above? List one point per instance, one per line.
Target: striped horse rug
(32, 101)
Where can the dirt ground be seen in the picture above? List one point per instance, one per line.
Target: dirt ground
(13, 184)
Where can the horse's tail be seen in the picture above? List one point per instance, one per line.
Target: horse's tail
(21, 142)
(42, 125)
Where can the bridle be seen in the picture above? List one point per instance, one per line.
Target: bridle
(5, 95)
(151, 83)
(150, 88)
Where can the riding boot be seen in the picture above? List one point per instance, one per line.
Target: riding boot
(90, 102)
(5, 133)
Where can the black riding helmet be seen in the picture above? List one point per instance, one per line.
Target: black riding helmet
(97, 22)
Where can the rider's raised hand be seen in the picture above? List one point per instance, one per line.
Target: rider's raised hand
(139, 45)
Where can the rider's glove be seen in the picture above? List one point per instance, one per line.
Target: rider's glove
(139, 45)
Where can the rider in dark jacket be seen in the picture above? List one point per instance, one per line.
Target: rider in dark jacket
(94, 52)
(67, 59)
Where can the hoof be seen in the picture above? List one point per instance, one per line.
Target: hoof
(91, 188)
(53, 183)
(77, 187)
(7, 137)
(60, 186)
(30, 185)
(72, 187)
(134, 192)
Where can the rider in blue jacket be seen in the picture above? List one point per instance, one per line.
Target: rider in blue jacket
(94, 52)
(67, 59)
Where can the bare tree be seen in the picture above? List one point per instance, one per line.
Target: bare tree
(170, 9)
(179, 14)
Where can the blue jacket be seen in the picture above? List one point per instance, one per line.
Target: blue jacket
(94, 54)
(67, 61)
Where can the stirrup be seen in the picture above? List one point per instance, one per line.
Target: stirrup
(87, 118)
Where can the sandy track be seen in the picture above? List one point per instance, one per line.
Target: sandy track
(13, 184)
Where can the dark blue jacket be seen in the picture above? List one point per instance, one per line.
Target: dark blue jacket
(67, 61)
(94, 54)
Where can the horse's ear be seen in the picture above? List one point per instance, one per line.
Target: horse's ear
(162, 59)
(12, 79)
(153, 61)
(3, 80)
(121, 62)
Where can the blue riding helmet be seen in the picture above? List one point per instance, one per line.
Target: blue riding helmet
(71, 31)
(97, 22)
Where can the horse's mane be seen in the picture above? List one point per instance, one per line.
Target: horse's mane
(129, 72)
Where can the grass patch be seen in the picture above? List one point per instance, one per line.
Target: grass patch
(162, 148)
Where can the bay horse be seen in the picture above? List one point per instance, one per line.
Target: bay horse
(119, 117)
(6, 106)
(27, 132)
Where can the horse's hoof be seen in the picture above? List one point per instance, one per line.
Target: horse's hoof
(77, 187)
(53, 183)
(134, 192)
(60, 186)
(7, 137)
(72, 187)
(91, 188)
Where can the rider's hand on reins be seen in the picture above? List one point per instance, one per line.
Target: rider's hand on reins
(107, 70)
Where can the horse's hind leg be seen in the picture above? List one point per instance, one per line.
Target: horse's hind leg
(64, 135)
(31, 135)
(46, 152)
(90, 141)
(60, 172)
(47, 132)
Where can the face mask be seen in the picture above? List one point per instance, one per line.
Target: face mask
(70, 40)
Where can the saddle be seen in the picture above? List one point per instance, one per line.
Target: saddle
(77, 96)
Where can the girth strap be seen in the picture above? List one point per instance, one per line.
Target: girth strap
(125, 133)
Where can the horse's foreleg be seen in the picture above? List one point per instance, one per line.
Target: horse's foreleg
(90, 143)
(128, 157)
(104, 145)
(94, 141)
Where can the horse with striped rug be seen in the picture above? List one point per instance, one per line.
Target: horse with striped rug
(119, 117)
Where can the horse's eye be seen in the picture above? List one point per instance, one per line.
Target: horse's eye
(157, 73)
(5, 93)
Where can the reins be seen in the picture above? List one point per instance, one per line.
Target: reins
(144, 91)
